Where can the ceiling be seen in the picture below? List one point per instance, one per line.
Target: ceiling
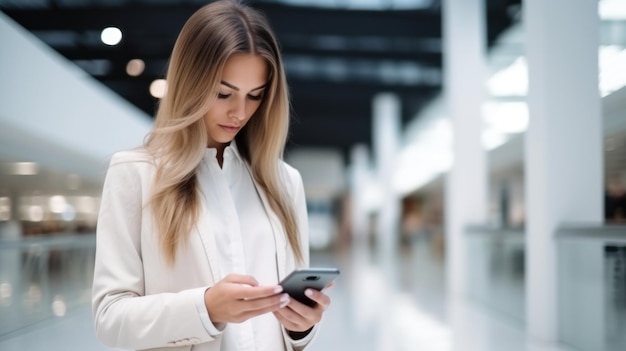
(336, 58)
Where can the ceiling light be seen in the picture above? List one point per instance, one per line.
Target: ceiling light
(135, 67)
(111, 36)
(158, 88)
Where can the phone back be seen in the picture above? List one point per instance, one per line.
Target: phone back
(299, 280)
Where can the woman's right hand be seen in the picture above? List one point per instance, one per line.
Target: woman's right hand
(237, 298)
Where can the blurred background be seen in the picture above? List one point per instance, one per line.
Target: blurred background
(464, 163)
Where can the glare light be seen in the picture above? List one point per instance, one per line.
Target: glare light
(612, 68)
(428, 156)
(111, 36)
(86, 204)
(23, 168)
(69, 213)
(35, 213)
(506, 117)
(612, 10)
(135, 67)
(5, 208)
(420, 163)
(58, 306)
(158, 88)
(492, 139)
(406, 317)
(510, 81)
(5, 291)
(371, 196)
(57, 204)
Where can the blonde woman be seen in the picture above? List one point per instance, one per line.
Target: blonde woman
(197, 227)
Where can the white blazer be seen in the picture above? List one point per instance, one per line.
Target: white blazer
(139, 301)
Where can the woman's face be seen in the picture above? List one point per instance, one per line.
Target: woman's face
(240, 93)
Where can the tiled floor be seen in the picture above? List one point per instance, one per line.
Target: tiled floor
(377, 305)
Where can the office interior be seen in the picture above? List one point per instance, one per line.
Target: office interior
(478, 203)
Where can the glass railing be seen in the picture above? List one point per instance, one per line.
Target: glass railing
(592, 287)
(495, 269)
(43, 278)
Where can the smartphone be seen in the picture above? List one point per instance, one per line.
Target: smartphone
(301, 279)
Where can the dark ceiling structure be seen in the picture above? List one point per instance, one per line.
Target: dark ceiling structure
(337, 59)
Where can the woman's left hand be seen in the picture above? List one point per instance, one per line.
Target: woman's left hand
(298, 317)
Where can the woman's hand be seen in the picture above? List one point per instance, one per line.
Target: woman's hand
(298, 317)
(237, 298)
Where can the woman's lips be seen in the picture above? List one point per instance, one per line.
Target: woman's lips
(230, 129)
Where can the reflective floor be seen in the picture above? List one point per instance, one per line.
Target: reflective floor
(377, 305)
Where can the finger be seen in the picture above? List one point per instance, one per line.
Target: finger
(282, 320)
(293, 321)
(258, 292)
(263, 306)
(299, 308)
(329, 286)
(267, 304)
(241, 279)
(288, 324)
(288, 316)
(319, 297)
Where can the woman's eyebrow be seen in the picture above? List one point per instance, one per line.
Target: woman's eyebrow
(237, 89)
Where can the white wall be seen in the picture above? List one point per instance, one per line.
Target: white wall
(53, 113)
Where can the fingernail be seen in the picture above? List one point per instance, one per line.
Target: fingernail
(278, 289)
(308, 292)
(284, 300)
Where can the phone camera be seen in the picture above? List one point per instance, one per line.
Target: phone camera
(311, 278)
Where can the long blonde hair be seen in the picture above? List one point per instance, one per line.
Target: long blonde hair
(178, 140)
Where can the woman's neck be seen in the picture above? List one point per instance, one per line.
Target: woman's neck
(219, 152)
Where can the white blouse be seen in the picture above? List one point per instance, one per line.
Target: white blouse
(245, 244)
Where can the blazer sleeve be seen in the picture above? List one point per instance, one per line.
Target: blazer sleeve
(124, 316)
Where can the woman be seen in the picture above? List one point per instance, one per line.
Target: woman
(197, 228)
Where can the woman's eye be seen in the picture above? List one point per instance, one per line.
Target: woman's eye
(222, 96)
(255, 97)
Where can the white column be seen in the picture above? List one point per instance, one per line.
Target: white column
(563, 142)
(359, 175)
(386, 141)
(466, 183)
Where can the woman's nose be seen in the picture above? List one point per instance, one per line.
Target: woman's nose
(238, 110)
